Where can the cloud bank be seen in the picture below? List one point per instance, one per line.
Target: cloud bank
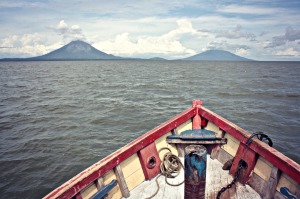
(29, 45)
(260, 30)
(26, 45)
(168, 44)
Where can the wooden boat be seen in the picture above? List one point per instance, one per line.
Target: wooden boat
(134, 170)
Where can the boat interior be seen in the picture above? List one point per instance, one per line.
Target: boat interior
(196, 154)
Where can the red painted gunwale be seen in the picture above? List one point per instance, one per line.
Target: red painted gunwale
(282, 162)
(80, 181)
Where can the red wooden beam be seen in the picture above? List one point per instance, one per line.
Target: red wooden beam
(281, 161)
(145, 156)
(77, 183)
(249, 157)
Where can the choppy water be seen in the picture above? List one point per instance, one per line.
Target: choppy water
(58, 118)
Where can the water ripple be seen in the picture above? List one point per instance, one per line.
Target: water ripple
(57, 118)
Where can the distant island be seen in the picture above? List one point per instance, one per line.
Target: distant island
(157, 58)
(80, 50)
(217, 55)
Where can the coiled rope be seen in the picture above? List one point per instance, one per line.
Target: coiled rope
(169, 167)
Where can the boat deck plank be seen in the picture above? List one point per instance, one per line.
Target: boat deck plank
(216, 178)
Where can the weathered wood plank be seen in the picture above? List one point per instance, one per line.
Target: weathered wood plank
(270, 189)
(135, 179)
(185, 126)
(246, 192)
(162, 143)
(99, 183)
(257, 183)
(121, 181)
(212, 127)
(132, 171)
(130, 165)
(263, 168)
(279, 196)
(232, 145)
(223, 156)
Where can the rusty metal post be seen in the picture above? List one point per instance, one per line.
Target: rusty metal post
(195, 172)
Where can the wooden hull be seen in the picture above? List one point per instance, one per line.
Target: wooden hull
(267, 169)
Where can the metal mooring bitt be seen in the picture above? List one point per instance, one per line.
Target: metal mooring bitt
(195, 172)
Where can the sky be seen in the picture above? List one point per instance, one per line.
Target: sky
(266, 30)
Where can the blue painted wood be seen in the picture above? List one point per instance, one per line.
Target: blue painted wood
(195, 172)
(104, 190)
(286, 192)
(201, 134)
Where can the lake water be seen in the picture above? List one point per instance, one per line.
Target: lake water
(58, 118)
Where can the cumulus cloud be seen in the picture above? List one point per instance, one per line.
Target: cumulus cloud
(69, 33)
(236, 33)
(168, 44)
(291, 35)
(26, 45)
(62, 27)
